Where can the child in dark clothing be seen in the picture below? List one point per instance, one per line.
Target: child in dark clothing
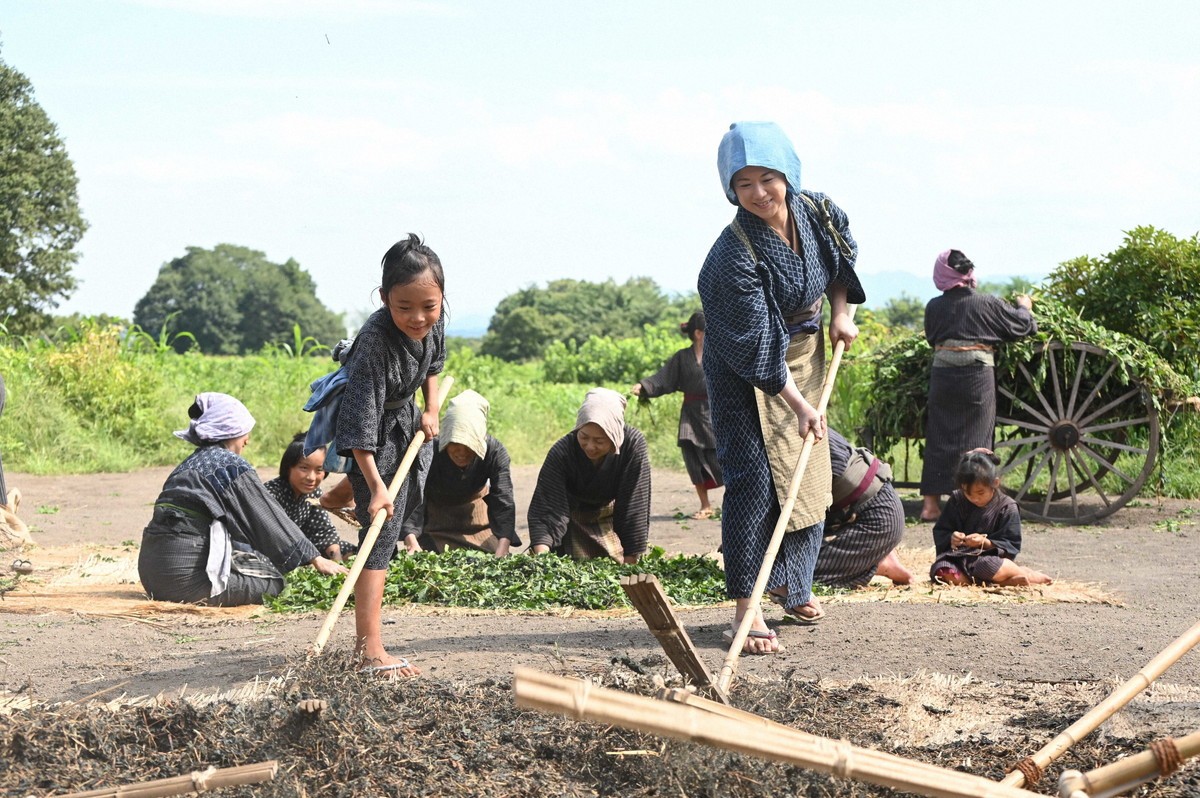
(978, 535)
(299, 481)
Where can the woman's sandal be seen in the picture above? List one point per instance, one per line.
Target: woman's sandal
(795, 612)
(702, 515)
(755, 635)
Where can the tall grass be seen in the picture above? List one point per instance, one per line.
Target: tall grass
(97, 402)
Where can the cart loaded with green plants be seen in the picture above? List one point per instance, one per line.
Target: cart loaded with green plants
(1083, 407)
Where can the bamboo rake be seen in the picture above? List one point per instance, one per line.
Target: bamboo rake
(645, 592)
(194, 783)
(376, 525)
(1121, 777)
(581, 700)
(764, 572)
(1081, 728)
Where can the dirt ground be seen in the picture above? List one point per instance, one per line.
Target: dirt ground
(1144, 555)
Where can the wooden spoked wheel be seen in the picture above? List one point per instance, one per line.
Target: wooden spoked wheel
(1075, 444)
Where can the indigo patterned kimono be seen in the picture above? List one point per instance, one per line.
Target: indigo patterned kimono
(746, 341)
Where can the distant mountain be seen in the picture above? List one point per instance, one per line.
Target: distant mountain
(468, 325)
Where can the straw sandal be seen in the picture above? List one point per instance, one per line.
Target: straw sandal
(702, 515)
(388, 672)
(795, 612)
(755, 635)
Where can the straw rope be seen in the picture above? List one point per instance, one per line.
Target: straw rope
(1030, 770)
(1166, 755)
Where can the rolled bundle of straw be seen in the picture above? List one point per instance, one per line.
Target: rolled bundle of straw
(583, 701)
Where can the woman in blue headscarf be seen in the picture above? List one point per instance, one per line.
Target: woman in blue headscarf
(762, 286)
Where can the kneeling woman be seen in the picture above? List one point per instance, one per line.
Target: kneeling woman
(468, 491)
(217, 537)
(593, 493)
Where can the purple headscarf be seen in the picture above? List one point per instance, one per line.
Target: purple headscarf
(216, 417)
(945, 278)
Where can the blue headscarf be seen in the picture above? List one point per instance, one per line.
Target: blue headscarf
(756, 144)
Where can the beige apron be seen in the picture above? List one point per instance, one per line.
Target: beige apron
(461, 526)
(590, 535)
(781, 435)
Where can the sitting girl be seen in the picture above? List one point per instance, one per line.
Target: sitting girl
(978, 535)
(299, 480)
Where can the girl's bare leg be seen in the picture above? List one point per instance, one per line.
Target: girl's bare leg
(1013, 575)
(705, 510)
(368, 626)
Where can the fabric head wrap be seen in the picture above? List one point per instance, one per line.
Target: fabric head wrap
(945, 277)
(605, 408)
(756, 144)
(216, 417)
(466, 423)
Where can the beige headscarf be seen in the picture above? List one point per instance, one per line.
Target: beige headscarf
(605, 408)
(466, 423)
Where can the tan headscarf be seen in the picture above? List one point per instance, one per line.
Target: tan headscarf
(466, 423)
(605, 408)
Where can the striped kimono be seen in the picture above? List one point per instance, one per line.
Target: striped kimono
(747, 297)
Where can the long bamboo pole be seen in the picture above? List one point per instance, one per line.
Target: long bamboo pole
(1081, 728)
(364, 551)
(196, 782)
(581, 700)
(764, 572)
(1121, 777)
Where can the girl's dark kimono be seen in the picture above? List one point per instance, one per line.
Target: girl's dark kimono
(587, 510)
(384, 369)
(999, 520)
(696, 441)
(313, 520)
(963, 327)
(214, 484)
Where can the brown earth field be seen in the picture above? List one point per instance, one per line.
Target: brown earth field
(90, 699)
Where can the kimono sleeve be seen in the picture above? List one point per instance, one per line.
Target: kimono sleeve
(665, 380)
(253, 515)
(743, 331)
(949, 522)
(631, 510)
(502, 507)
(1005, 535)
(360, 417)
(844, 273)
(550, 507)
(1010, 322)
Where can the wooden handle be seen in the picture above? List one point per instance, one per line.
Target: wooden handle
(192, 784)
(785, 514)
(364, 552)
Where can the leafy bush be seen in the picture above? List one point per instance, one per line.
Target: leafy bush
(460, 578)
(1148, 288)
(605, 359)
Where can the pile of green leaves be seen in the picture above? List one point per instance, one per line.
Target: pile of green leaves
(900, 386)
(461, 578)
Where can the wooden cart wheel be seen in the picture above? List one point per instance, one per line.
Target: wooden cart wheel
(1075, 446)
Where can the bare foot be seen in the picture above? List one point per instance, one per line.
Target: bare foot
(891, 568)
(761, 639)
(931, 508)
(388, 667)
(702, 513)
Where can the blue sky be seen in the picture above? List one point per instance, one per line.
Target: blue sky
(534, 140)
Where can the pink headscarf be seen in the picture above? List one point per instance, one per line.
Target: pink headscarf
(946, 278)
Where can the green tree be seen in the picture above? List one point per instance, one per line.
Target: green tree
(40, 222)
(1148, 288)
(905, 311)
(576, 310)
(235, 301)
